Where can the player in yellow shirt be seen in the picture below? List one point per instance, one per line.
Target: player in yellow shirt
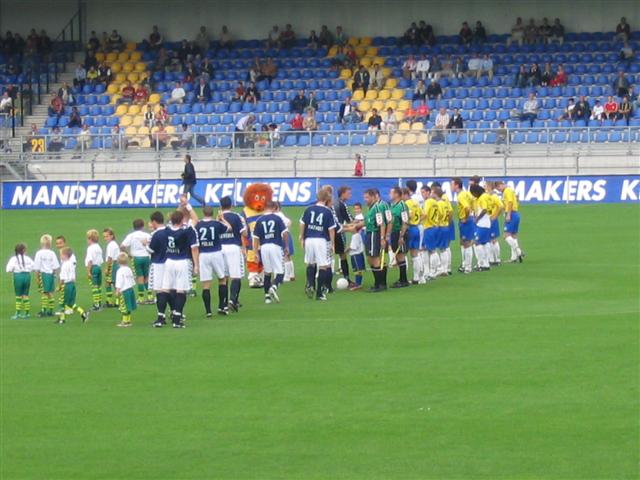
(413, 233)
(496, 209)
(511, 220)
(444, 216)
(483, 226)
(430, 218)
(466, 226)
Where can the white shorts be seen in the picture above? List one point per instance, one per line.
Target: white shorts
(210, 263)
(233, 261)
(317, 251)
(156, 273)
(272, 257)
(177, 275)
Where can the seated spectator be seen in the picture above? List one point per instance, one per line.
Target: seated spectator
(92, 75)
(547, 75)
(155, 39)
(502, 137)
(273, 37)
(56, 107)
(340, 38)
(243, 129)
(160, 135)
(474, 66)
(623, 30)
(93, 44)
(425, 34)
(374, 122)
(351, 57)
(251, 94)
(411, 36)
(557, 32)
(80, 76)
(389, 121)
(274, 134)
(487, 67)
(185, 140)
(238, 92)
(434, 67)
(297, 122)
(441, 124)
(6, 103)
(455, 122)
(422, 67)
(447, 68)
(118, 141)
(611, 109)
(149, 117)
(531, 32)
(84, 139)
(459, 68)
(65, 93)
(190, 72)
(162, 116)
(530, 109)
(517, 33)
(104, 73)
(287, 37)
(597, 113)
(466, 35)
(263, 138)
(225, 38)
(422, 113)
(626, 54)
(377, 77)
(361, 80)
(115, 43)
(313, 41)
(74, 119)
(569, 111)
(420, 92)
(545, 31)
(56, 142)
(206, 69)
(202, 39)
(309, 123)
(624, 109)
(409, 68)
(349, 112)
(521, 77)
(177, 94)
(298, 103)
(479, 33)
(560, 80)
(127, 93)
(142, 94)
(203, 91)
(311, 102)
(325, 37)
(269, 70)
(434, 90)
(534, 77)
(582, 110)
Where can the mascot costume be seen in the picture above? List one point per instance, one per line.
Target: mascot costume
(256, 197)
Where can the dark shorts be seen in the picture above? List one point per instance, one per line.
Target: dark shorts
(128, 303)
(372, 244)
(357, 262)
(69, 294)
(48, 282)
(340, 244)
(21, 283)
(141, 266)
(96, 276)
(395, 243)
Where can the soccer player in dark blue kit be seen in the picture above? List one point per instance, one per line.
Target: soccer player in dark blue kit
(210, 233)
(317, 236)
(158, 249)
(270, 241)
(233, 251)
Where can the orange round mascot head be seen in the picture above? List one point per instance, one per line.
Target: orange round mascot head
(257, 195)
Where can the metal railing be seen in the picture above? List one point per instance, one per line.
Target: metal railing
(71, 37)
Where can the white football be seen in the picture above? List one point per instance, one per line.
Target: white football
(342, 284)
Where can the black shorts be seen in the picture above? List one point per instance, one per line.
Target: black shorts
(395, 243)
(340, 247)
(373, 247)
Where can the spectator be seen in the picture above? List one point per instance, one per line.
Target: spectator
(57, 142)
(252, 95)
(185, 140)
(422, 113)
(409, 68)
(374, 122)
(340, 37)
(127, 93)
(339, 60)
(411, 36)
(535, 76)
(474, 66)
(466, 35)
(422, 68)
(435, 67)
(202, 39)
(455, 122)
(104, 73)
(623, 30)
(6, 103)
(425, 34)
(325, 37)
(114, 43)
(84, 139)
(626, 54)
(274, 134)
(297, 122)
(190, 72)
(557, 32)
(624, 109)
(273, 38)
(434, 90)
(441, 124)
(298, 103)
(206, 69)
(545, 31)
(582, 110)
(309, 123)
(361, 79)
(530, 110)
(377, 77)
(142, 94)
(447, 69)
(80, 76)
(502, 136)
(74, 119)
(177, 94)
(288, 37)
(238, 92)
(348, 112)
(203, 91)
(459, 68)
(155, 38)
(531, 32)
(358, 169)
(389, 121)
(162, 116)
(479, 33)
(420, 92)
(517, 33)
(487, 67)
(64, 92)
(560, 79)
(350, 56)
(597, 113)
(244, 126)
(225, 38)
(522, 77)
(92, 75)
(312, 102)
(313, 41)
(611, 108)
(569, 111)
(547, 75)
(161, 136)
(56, 107)
(269, 70)
(93, 43)
(118, 141)
(149, 117)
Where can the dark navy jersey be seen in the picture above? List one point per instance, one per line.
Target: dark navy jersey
(318, 220)
(210, 235)
(336, 221)
(269, 229)
(342, 212)
(238, 225)
(179, 243)
(158, 245)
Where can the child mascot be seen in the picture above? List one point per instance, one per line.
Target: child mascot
(256, 197)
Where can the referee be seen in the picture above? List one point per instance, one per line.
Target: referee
(189, 180)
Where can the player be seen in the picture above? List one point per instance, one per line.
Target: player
(68, 287)
(375, 240)
(93, 261)
(112, 251)
(466, 225)
(399, 227)
(289, 269)
(136, 243)
(483, 226)
(61, 244)
(511, 221)
(45, 265)
(190, 220)
(318, 237)
(444, 228)
(182, 244)
(270, 237)
(210, 233)
(430, 218)
(158, 255)
(356, 252)
(233, 251)
(343, 217)
(497, 208)
(124, 284)
(21, 266)
(413, 234)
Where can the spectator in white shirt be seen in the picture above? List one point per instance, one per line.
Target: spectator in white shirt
(409, 68)
(376, 77)
(273, 39)
(177, 94)
(474, 66)
(244, 126)
(517, 33)
(442, 122)
(389, 121)
(597, 112)
(6, 102)
(422, 67)
(487, 66)
(530, 109)
(80, 76)
(84, 138)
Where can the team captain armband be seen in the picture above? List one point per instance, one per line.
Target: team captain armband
(379, 220)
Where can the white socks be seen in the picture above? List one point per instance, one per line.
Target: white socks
(515, 248)
(445, 261)
(467, 259)
(417, 267)
(434, 260)
(426, 264)
(289, 272)
(495, 249)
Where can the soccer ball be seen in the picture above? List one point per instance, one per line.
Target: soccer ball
(342, 284)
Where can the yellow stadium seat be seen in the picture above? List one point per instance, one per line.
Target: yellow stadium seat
(391, 104)
(378, 105)
(397, 139)
(364, 106)
(365, 62)
(397, 94)
(390, 83)
(100, 57)
(154, 98)
(332, 51)
(126, 121)
(404, 105)
(129, 130)
(378, 60)
(143, 130)
(140, 67)
(111, 89)
(345, 73)
(122, 110)
(353, 41)
(384, 94)
(366, 41)
(422, 139)
(410, 139)
(116, 67)
(383, 140)
(115, 97)
(386, 72)
(133, 110)
(135, 56)
(170, 129)
(111, 57)
(145, 142)
(128, 67)
(130, 46)
(360, 51)
(371, 95)
(399, 116)
(404, 126)
(138, 120)
(120, 77)
(143, 75)
(349, 83)
(417, 126)
(133, 77)
(357, 95)
(372, 51)
(123, 57)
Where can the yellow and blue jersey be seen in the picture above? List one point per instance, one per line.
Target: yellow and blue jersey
(431, 213)
(510, 200)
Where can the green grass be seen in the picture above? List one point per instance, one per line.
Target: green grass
(528, 371)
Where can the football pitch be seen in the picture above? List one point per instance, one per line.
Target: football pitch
(527, 371)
